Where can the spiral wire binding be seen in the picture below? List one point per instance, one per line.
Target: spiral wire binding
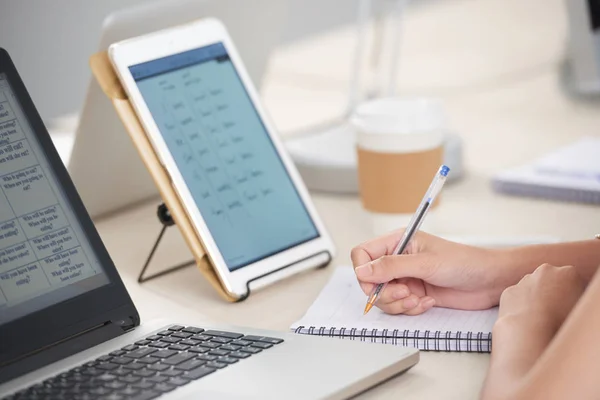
(425, 340)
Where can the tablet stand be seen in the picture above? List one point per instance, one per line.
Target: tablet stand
(165, 218)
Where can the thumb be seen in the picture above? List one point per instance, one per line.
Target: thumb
(388, 268)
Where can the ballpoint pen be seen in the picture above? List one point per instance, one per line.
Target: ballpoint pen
(413, 226)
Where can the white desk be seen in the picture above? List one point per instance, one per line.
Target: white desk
(495, 64)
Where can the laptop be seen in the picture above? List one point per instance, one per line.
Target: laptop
(69, 329)
(255, 28)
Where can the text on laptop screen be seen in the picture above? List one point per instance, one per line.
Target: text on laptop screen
(44, 255)
(224, 154)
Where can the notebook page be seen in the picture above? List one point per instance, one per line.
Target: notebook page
(341, 304)
(579, 160)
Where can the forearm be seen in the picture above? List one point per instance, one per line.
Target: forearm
(569, 366)
(583, 255)
(517, 345)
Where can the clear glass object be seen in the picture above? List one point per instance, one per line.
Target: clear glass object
(377, 51)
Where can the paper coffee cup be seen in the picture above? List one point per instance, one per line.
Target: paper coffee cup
(400, 148)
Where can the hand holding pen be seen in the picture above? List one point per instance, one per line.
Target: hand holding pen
(413, 226)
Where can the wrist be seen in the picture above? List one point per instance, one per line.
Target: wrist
(530, 326)
(505, 267)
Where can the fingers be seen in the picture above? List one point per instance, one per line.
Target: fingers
(412, 305)
(386, 268)
(375, 248)
(393, 292)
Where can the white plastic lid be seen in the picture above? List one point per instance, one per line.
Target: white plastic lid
(399, 115)
(399, 124)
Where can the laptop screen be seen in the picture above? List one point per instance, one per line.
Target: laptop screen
(44, 256)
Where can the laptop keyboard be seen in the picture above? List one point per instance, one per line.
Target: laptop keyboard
(148, 368)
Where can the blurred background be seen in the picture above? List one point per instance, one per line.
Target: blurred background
(62, 34)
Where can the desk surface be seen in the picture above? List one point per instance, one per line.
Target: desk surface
(495, 64)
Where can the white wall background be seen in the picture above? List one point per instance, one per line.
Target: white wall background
(50, 41)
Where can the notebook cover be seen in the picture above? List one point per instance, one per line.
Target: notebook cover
(103, 70)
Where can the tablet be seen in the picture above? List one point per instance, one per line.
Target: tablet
(238, 186)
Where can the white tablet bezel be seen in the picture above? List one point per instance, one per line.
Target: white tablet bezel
(192, 36)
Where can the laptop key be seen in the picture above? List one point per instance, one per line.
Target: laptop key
(147, 360)
(131, 347)
(134, 366)
(178, 381)
(91, 364)
(100, 391)
(218, 352)
(157, 379)
(170, 339)
(221, 340)
(262, 345)
(158, 367)
(129, 391)
(202, 338)
(84, 396)
(190, 364)
(215, 364)
(115, 385)
(179, 347)
(144, 373)
(229, 347)
(176, 328)
(117, 353)
(130, 379)
(121, 360)
(182, 335)
(228, 335)
(172, 373)
(106, 378)
(189, 342)
(164, 333)
(240, 343)
(159, 345)
(210, 345)
(153, 338)
(239, 354)
(199, 349)
(143, 342)
(104, 358)
(164, 353)
(145, 395)
(207, 357)
(144, 384)
(178, 358)
(228, 360)
(250, 349)
(264, 339)
(141, 352)
(120, 372)
(191, 329)
(198, 373)
(164, 387)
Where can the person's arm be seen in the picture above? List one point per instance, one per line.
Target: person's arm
(436, 272)
(583, 255)
(543, 348)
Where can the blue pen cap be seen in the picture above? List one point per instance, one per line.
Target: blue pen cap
(444, 170)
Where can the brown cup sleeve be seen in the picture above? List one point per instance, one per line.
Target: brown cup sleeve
(395, 183)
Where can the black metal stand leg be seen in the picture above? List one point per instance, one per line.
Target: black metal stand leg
(165, 219)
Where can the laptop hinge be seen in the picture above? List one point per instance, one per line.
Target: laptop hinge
(126, 324)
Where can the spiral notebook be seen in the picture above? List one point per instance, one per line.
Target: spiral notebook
(338, 312)
(568, 174)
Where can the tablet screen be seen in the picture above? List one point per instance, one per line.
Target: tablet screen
(225, 155)
(45, 257)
